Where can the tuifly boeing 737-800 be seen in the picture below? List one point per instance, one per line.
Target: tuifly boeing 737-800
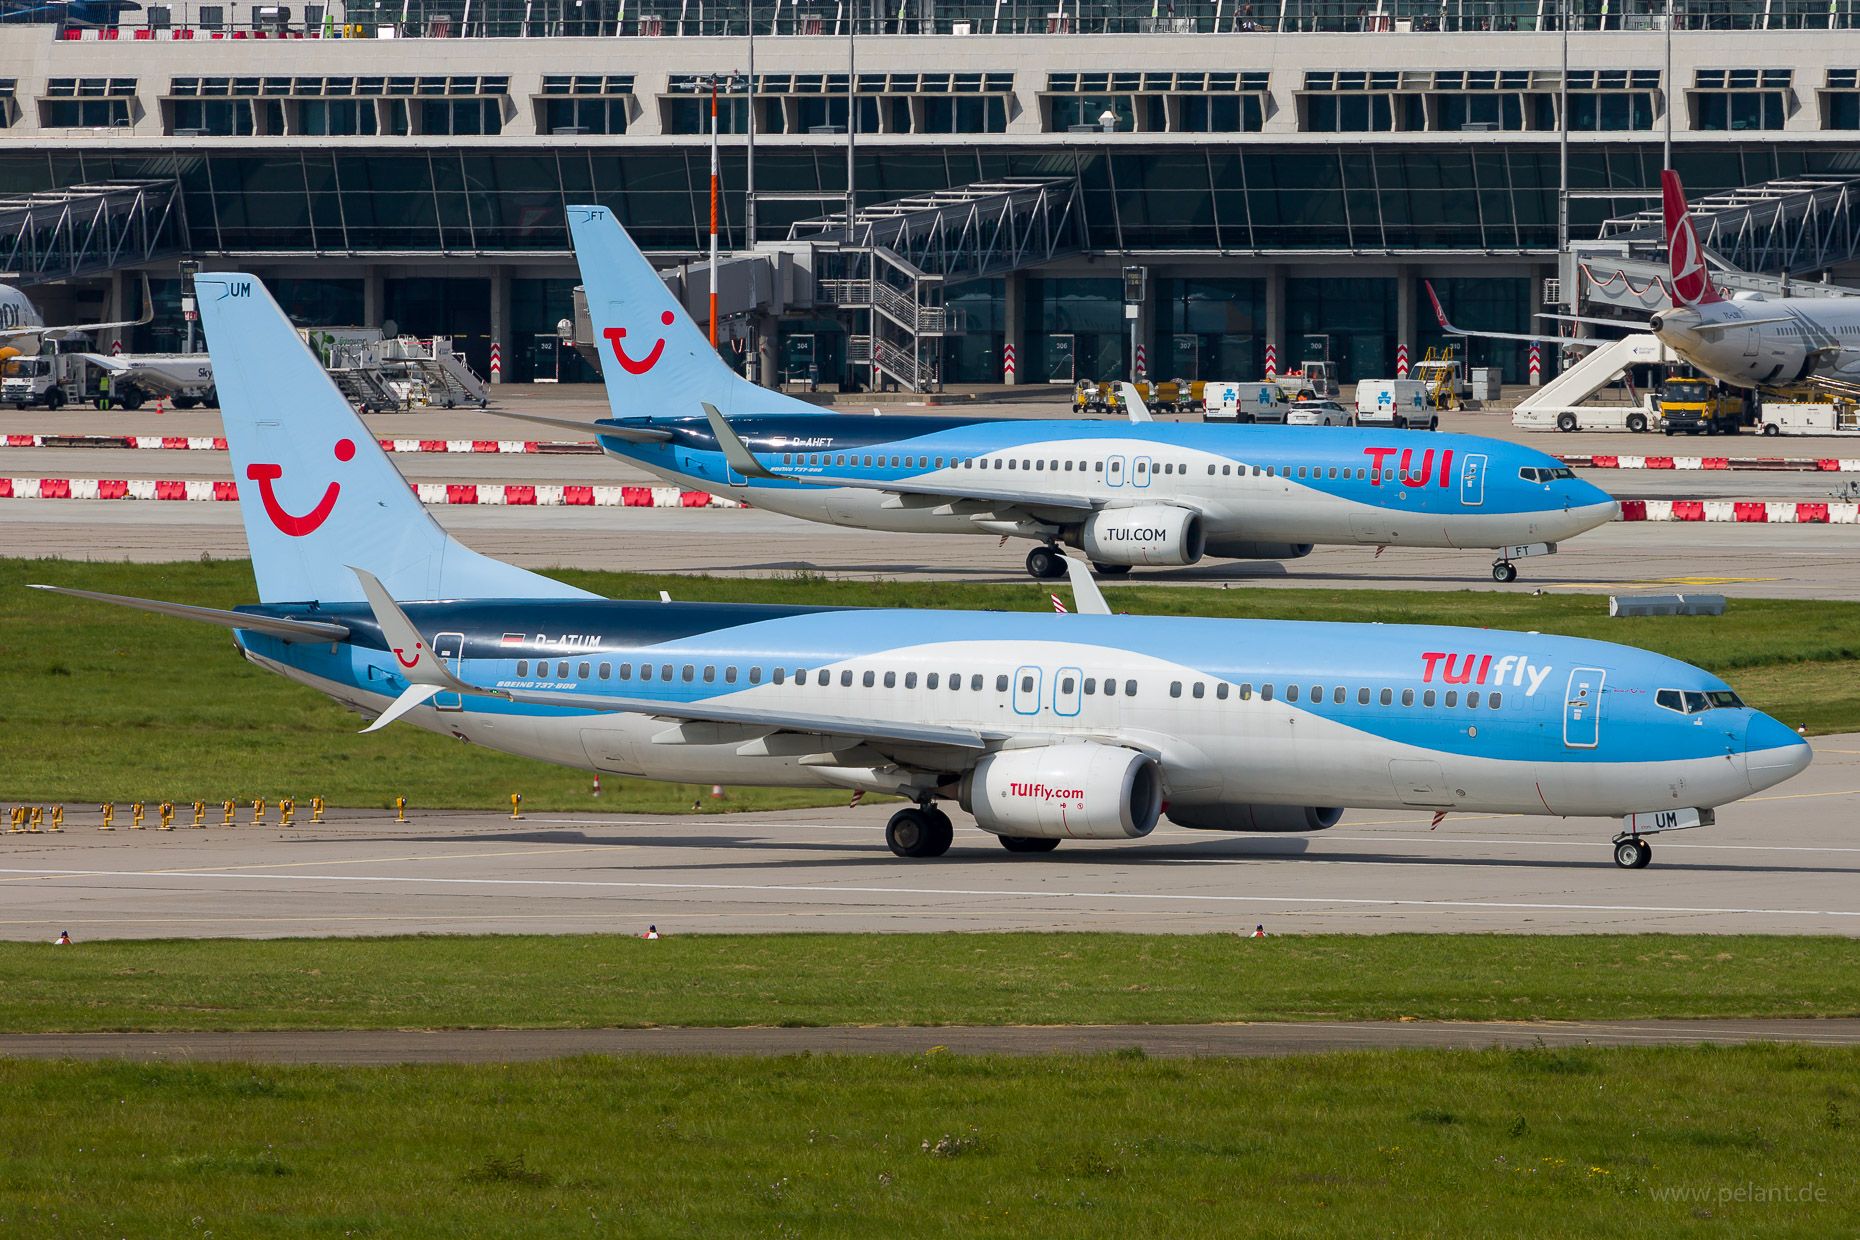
(1129, 494)
(1043, 727)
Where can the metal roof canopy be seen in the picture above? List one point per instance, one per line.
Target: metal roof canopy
(1796, 225)
(968, 232)
(84, 230)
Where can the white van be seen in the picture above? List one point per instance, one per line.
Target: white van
(1264, 401)
(1400, 403)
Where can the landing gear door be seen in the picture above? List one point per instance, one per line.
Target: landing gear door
(448, 647)
(1472, 480)
(1582, 708)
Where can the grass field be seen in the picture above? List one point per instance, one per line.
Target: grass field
(100, 704)
(606, 981)
(1754, 1141)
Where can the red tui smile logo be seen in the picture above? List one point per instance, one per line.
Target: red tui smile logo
(406, 662)
(290, 524)
(616, 334)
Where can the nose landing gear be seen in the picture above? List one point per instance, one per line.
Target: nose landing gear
(1632, 852)
(1504, 570)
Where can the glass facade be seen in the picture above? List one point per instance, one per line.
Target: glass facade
(1208, 329)
(1358, 316)
(1075, 329)
(975, 356)
(1495, 305)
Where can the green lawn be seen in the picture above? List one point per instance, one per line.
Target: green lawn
(603, 981)
(97, 703)
(1752, 1141)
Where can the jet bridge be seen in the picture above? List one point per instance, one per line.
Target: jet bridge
(88, 230)
(894, 261)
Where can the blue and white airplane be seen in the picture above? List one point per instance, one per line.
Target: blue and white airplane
(1126, 493)
(1043, 727)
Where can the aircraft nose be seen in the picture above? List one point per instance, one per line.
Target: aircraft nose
(1594, 505)
(1773, 752)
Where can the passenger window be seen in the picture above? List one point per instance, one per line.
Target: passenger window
(645, 671)
(729, 675)
(1175, 688)
(755, 675)
(607, 670)
(1291, 693)
(1333, 471)
(1067, 685)
(869, 678)
(1130, 688)
(626, 671)
(1246, 692)
(523, 669)
(1301, 471)
(787, 458)
(1265, 693)
(932, 680)
(1091, 685)
(1362, 697)
(841, 460)
(1026, 684)
(1492, 700)
(1210, 471)
(1317, 694)
(561, 670)
(1001, 683)
(1110, 687)
(910, 680)
(1387, 697)
(1039, 465)
(1200, 689)
(710, 674)
(1453, 697)
(581, 672)
(1226, 470)
(1220, 691)
(939, 461)
(1472, 701)
(1361, 474)
(1269, 472)
(1427, 699)
(780, 675)
(665, 671)
(891, 680)
(690, 673)
(1068, 466)
(1011, 465)
(846, 678)
(1098, 466)
(1338, 695)
(1407, 697)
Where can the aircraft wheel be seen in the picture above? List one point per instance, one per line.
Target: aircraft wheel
(1504, 572)
(1646, 855)
(1633, 854)
(1566, 422)
(1045, 564)
(1109, 570)
(1637, 422)
(1027, 843)
(913, 833)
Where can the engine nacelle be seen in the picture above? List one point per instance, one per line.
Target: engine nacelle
(1246, 549)
(1152, 534)
(1086, 791)
(1254, 817)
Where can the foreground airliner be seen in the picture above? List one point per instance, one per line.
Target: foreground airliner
(1127, 493)
(1044, 727)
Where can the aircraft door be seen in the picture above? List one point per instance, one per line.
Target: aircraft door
(1472, 480)
(1066, 691)
(1114, 472)
(1582, 708)
(447, 647)
(1753, 341)
(1141, 469)
(1027, 691)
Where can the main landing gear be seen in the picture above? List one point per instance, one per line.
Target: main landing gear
(1027, 843)
(920, 832)
(1632, 852)
(1046, 564)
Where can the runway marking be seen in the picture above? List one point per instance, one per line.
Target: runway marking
(822, 889)
(285, 865)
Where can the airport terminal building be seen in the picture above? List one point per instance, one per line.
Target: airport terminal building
(1280, 170)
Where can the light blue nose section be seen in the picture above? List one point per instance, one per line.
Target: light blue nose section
(1773, 752)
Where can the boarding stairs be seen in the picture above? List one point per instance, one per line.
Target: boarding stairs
(1605, 365)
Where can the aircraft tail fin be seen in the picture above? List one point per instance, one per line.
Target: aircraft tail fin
(1691, 283)
(655, 359)
(315, 489)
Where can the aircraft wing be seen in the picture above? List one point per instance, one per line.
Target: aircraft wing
(612, 430)
(76, 329)
(779, 720)
(1441, 314)
(744, 462)
(290, 629)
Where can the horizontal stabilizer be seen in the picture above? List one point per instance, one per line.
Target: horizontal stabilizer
(735, 451)
(417, 661)
(632, 434)
(410, 697)
(1133, 403)
(290, 630)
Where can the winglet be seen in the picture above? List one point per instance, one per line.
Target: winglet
(735, 451)
(1085, 594)
(1439, 312)
(1133, 404)
(424, 668)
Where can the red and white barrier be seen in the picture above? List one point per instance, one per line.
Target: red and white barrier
(1401, 361)
(1768, 512)
(1775, 464)
(1272, 361)
(1007, 362)
(433, 493)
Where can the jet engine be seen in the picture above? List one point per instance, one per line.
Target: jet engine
(1087, 791)
(1152, 534)
(1254, 817)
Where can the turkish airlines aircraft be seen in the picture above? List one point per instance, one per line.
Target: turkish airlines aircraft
(23, 330)
(1044, 727)
(1129, 494)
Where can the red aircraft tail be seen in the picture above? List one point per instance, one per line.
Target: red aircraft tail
(1691, 282)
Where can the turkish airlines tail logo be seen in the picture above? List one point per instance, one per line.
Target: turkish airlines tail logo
(1692, 284)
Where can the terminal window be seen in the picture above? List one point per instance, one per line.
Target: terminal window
(1741, 99)
(90, 103)
(1197, 102)
(9, 110)
(1840, 102)
(589, 103)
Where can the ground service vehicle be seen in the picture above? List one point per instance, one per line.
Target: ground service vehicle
(1406, 404)
(1695, 405)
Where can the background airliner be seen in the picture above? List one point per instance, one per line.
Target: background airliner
(1044, 727)
(1744, 340)
(1127, 493)
(23, 331)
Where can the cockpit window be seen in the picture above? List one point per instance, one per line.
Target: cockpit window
(1692, 702)
(1534, 473)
